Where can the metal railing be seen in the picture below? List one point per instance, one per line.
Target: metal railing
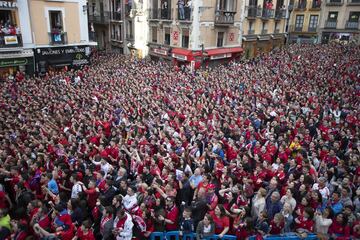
(10, 40)
(101, 18)
(115, 16)
(354, 2)
(224, 17)
(280, 13)
(165, 14)
(250, 32)
(267, 13)
(251, 11)
(334, 2)
(184, 13)
(352, 25)
(264, 31)
(316, 4)
(301, 6)
(57, 38)
(330, 24)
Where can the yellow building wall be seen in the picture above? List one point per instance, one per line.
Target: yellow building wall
(40, 20)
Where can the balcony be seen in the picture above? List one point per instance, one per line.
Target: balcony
(352, 25)
(267, 13)
(316, 5)
(334, 2)
(353, 2)
(157, 14)
(116, 16)
(277, 31)
(251, 11)
(100, 18)
(301, 6)
(330, 24)
(57, 38)
(184, 13)
(224, 17)
(251, 32)
(311, 29)
(280, 13)
(10, 40)
(264, 31)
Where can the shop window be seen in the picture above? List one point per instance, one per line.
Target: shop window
(220, 39)
(167, 36)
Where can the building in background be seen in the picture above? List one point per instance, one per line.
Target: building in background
(340, 21)
(304, 21)
(195, 32)
(264, 25)
(60, 33)
(99, 16)
(16, 44)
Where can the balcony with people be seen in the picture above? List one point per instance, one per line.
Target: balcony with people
(316, 5)
(225, 12)
(10, 34)
(301, 5)
(267, 11)
(334, 2)
(184, 10)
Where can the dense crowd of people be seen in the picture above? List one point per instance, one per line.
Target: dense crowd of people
(124, 147)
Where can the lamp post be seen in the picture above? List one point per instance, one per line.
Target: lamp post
(290, 9)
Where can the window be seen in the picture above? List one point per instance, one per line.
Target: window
(333, 16)
(154, 34)
(220, 39)
(313, 21)
(56, 23)
(185, 38)
(167, 36)
(129, 32)
(354, 16)
(299, 21)
(276, 30)
(264, 28)
(227, 5)
(253, 3)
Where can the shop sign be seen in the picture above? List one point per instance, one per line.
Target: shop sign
(60, 51)
(79, 60)
(180, 57)
(220, 56)
(8, 5)
(160, 51)
(175, 35)
(9, 40)
(13, 62)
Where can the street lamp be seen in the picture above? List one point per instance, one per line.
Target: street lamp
(290, 9)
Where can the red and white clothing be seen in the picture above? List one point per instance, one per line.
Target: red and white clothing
(125, 226)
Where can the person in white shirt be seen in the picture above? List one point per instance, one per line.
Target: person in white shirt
(123, 225)
(323, 221)
(323, 189)
(77, 187)
(104, 165)
(288, 198)
(258, 203)
(130, 201)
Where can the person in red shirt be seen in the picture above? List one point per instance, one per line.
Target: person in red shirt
(304, 222)
(172, 214)
(277, 224)
(84, 232)
(339, 229)
(221, 221)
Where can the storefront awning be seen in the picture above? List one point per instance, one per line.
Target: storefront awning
(220, 51)
(184, 54)
(181, 51)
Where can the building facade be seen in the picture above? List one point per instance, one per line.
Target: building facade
(304, 21)
(39, 35)
(340, 21)
(264, 25)
(193, 32)
(99, 16)
(16, 44)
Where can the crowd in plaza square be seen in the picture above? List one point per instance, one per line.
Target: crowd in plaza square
(126, 147)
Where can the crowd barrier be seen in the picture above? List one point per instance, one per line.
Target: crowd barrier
(175, 235)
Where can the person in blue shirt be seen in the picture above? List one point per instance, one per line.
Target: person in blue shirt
(186, 223)
(51, 184)
(335, 203)
(195, 179)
